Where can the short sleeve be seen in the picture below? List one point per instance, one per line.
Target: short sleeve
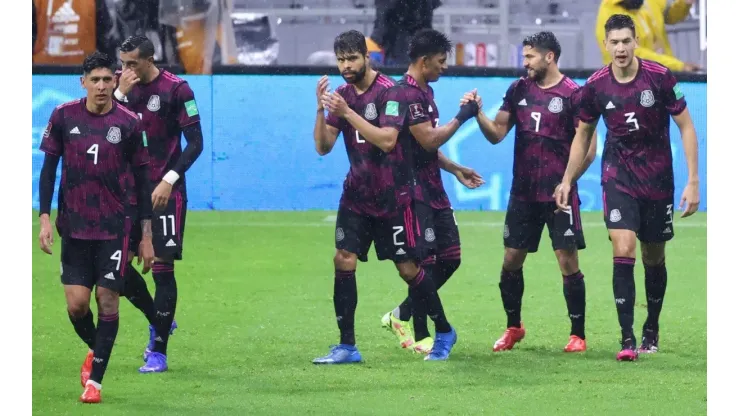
(675, 102)
(52, 141)
(186, 107)
(138, 147)
(392, 108)
(588, 110)
(508, 104)
(335, 121)
(575, 104)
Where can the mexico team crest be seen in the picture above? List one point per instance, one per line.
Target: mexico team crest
(114, 135)
(370, 112)
(647, 99)
(429, 235)
(339, 234)
(556, 105)
(153, 104)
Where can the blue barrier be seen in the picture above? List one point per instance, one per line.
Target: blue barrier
(259, 152)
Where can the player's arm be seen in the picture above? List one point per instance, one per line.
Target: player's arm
(495, 130)
(189, 120)
(590, 156)
(138, 158)
(465, 175)
(432, 138)
(383, 138)
(52, 145)
(325, 130)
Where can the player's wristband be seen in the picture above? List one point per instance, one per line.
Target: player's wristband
(171, 177)
(119, 95)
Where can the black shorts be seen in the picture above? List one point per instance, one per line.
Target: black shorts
(168, 228)
(651, 220)
(409, 235)
(92, 263)
(446, 233)
(526, 220)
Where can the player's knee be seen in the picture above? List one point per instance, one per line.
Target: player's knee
(568, 261)
(107, 301)
(514, 258)
(344, 260)
(653, 254)
(407, 270)
(624, 243)
(78, 308)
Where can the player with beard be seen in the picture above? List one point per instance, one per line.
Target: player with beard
(637, 99)
(376, 205)
(542, 107)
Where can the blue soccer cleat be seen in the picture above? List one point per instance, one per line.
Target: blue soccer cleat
(340, 354)
(152, 337)
(155, 363)
(443, 343)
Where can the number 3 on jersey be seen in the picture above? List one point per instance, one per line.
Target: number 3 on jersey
(630, 118)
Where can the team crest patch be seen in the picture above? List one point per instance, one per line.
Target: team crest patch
(370, 112)
(340, 234)
(416, 110)
(429, 235)
(153, 104)
(114, 135)
(506, 231)
(556, 105)
(615, 215)
(647, 99)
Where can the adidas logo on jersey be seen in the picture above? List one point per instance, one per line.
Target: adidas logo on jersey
(110, 276)
(610, 105)
(170, 243)
(523, 101)
(568, 233)
(75, 130)
(400, 252)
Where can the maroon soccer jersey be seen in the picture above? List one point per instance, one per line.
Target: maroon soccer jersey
(544, 121)
(637, 156)
(377, 182)
(97, 151)
(415, 106)
(165, 105)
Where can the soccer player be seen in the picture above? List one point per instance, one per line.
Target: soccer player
(377, 204)
(409, 109)
(428, 53)
(168, 110)
(99, 141)
(542, 107)
(637, 98)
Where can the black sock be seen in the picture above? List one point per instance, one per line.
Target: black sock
(85, 328)
(512, 291)
(574, 290)
(104, 340)
(623, 283)
(165, 302)
(137, 293)
(656, 280)
(421, 326)
(425, 296)
(405, 309)
(345, 304)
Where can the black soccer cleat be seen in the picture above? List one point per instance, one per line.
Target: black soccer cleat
(650, 339)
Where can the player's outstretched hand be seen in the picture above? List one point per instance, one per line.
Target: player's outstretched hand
(561, 194)
(46, 236)
(336, 104)
(127, 80)
(322, 87)
(161, 196)
(470, 178)
(472, 96)
(146, 254)
(689, 200)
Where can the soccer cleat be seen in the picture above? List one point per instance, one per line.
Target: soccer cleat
(511, 336)
(628, 352)
(650, 339)
(153, 336)
(86, 368)
(423, 346)
(340, 354)
(402, 329)
(443, 343)
(91, 394)
(575, 344)
(155, 363)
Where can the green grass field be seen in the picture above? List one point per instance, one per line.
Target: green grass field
(255, 307)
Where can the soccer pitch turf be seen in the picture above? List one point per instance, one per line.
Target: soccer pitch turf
(255, 307)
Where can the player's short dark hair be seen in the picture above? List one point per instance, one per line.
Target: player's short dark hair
(428, 42)
(544, 41)
(350, 42)
(620, 21)
(97, 60)
(142, 43)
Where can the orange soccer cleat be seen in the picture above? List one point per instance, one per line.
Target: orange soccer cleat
(511, 336)
(91, 394)
(86, 368)
(575, 344)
